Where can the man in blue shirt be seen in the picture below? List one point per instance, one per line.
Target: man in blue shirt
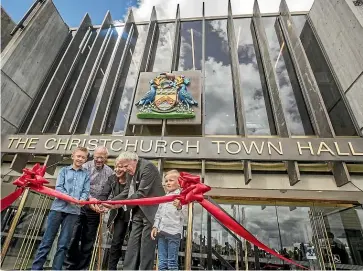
(75, 182)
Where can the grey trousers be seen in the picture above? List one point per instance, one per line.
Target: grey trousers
(140, 253)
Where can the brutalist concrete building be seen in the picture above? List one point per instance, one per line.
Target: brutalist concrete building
(266, 108)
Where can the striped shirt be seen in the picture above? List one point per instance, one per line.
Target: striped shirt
(98, 177)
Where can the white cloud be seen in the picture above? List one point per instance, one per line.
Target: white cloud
(193, 8)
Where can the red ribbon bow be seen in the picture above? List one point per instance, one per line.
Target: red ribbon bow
(192, 190)
(32, 177)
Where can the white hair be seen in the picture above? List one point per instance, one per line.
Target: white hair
(101, 149)
(127, 155)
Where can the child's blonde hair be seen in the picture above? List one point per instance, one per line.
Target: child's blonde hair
(171, 172)
(83, 149)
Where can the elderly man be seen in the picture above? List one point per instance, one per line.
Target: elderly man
(143, 180)
(80, 250)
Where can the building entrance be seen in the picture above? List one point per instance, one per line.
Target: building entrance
(320, 236)
(316, 235)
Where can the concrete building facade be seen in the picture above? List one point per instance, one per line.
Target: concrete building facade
(277, 132)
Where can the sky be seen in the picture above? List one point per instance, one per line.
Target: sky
(72, 11)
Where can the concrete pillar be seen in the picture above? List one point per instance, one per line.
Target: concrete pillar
(339, 28)
(7, 25)
(26, 62)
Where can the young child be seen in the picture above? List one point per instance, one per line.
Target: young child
(74, 181)
(168, 225)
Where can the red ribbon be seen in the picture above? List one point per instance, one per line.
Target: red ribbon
(192, 190)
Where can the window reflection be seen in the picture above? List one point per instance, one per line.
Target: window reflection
(258, 115)
(121, 103)
(190, 54)
(164, 51)
(338, 112)
(219, 100)
(296, 114)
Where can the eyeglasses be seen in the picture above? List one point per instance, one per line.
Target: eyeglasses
(99, 158)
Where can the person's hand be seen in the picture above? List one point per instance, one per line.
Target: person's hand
(109, 206)
(154, 232)
(177, 204)
(96, 208)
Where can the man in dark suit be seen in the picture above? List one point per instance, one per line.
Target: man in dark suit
(143, 180)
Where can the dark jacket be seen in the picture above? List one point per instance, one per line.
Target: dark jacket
(111, 188)
(148, 184)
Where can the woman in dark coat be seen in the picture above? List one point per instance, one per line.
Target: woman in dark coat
(119, 218)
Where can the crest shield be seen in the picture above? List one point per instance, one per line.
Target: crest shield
(167, 98)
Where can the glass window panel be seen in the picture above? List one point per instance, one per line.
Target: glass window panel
(296, 114)
(190, 54)
(258, 114)
(164, 51)
(122, 100)
(219, 100)
(338, 112)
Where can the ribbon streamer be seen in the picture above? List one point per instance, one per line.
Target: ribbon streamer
(192, 190)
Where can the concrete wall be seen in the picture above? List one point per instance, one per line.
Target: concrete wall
(339, 25)
(26, 62)
(7, 25)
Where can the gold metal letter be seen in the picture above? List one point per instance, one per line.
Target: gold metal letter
(253, 144)
(22, 143)
(305, 147)
(61, 143)
(105, 141)
(172, 148)
(338, 150)
(150, 147)
(163, 145)
(93, 145)
(278, 150)
(353, 151)
(49, 140)
(233, 152)
(326, 148)
(33, 140)
(74, 142)
(11, 141)
(192, 146)
(131, 145)
(115, 141)
(218, 146)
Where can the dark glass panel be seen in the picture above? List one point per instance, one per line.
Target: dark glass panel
(338, 112)
(219, 101)
(258, 113)
(294, 107)
(190, 54)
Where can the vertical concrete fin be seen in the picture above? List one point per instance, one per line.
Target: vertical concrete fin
(55, 89)
(85, 79)
(259, 37)
(311, 93)
(176, 43)
(236, 80)
(113, 75)
(145, 59)
(203, 70)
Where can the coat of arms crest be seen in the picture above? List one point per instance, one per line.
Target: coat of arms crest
(167, 98)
